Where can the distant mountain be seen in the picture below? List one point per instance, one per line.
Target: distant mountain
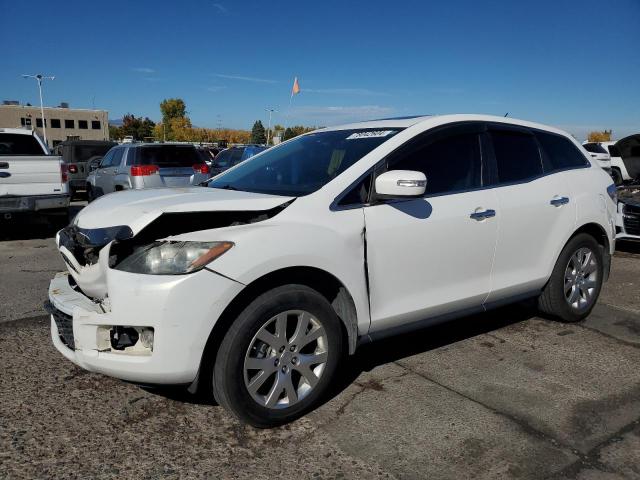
(116, 122)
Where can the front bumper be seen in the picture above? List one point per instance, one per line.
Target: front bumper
(181, 309)
(14, 204)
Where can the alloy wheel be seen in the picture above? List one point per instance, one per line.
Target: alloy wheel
(285, 359)
(581, 279)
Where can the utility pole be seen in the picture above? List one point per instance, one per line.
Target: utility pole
(39, 77)
(270, 110)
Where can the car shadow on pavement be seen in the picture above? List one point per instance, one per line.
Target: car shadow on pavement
(392, 349)
(35, 226)
(370, 356)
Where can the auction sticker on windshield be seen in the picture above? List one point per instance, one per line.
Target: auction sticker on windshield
(373, 134)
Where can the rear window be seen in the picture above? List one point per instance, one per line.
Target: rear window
(560, 153)
(517, 156)
(16, 144)
(82, 153)
(594, 148)
(167, 156)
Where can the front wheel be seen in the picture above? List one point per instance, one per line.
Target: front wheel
(576, 281)
(277, 359)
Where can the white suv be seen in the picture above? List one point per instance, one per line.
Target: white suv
(251, 290)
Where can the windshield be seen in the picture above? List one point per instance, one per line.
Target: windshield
(304, 164)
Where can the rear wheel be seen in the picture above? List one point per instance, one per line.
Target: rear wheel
(277, 359)
(576, 281)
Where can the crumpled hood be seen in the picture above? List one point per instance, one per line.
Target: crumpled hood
(138, 208)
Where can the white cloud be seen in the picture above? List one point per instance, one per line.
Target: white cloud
(345, 91)
(243, 78)
(221, 8)
(143, 70)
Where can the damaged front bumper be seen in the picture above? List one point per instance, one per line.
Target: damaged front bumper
(180, 310)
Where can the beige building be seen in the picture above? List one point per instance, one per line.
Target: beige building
(62, 123)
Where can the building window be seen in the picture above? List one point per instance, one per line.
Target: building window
(55, 123)
(25, 121)
(69, 124)
(82, 124)
(95, 124)
(39, 122)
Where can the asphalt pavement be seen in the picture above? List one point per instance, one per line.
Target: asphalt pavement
(504, 394)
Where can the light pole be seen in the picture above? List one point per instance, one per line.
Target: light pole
(39, 77)
(270, 110)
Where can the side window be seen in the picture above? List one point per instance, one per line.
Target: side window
(560, 153)
(358, 194)
(117, 157)
(104, 163)
(517, 156)
(450, 164)
(613, 151)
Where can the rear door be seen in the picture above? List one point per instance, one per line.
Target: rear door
(536, 213)
(108, 169)
(430, 256)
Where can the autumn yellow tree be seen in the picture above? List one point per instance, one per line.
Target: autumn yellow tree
(603, 136)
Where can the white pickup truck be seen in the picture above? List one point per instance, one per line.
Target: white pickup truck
(31, 180)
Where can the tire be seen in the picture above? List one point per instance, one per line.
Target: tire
(573, 301)
(617, 176)
(286, 382)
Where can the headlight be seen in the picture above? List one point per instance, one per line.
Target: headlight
(171, 258)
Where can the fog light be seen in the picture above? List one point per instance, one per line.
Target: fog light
(123, 337)
(146, 338)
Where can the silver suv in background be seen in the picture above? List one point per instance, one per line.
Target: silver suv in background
(146, 165)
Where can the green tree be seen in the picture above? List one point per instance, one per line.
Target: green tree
(258, 134)
(115, 133)
(172, 108)
(137, 127)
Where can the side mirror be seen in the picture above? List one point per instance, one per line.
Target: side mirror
(401, 184)
(93, 166)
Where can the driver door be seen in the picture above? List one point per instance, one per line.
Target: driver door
(431, 256)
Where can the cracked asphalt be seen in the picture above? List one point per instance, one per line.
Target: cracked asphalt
(501, 395)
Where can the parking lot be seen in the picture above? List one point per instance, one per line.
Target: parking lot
(500, 395)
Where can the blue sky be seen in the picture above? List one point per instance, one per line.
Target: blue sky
(569, 63)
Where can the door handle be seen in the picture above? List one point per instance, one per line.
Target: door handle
(559, 201)
(5, 174)
(4, 164)
(484, 214)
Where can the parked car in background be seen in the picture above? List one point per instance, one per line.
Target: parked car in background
(628, 219)
(233, 156)
(600, 154)
(31, 180)
(77, 154)
(205, 155)
(625, 158)
(253, 289)
(146, 165)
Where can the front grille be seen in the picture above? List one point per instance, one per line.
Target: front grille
(64, 323)
(631, 219)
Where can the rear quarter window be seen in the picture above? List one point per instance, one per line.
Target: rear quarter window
(559, 153)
